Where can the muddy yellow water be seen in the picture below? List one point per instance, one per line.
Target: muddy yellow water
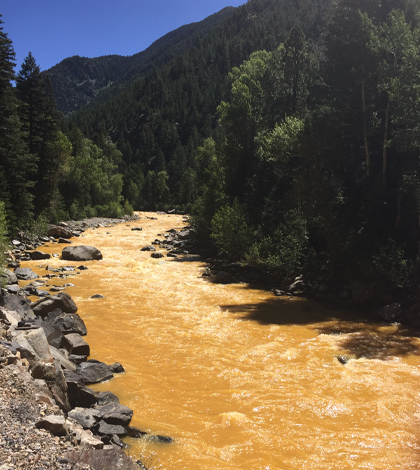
(239, 378)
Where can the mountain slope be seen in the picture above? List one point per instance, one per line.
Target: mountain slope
(158, 120)
(77, 80)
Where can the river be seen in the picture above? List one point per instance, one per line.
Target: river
(239, 378)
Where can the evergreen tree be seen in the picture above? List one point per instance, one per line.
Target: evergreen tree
(16, 165)
(39, 118)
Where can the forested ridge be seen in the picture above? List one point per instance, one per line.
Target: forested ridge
(289, 132)
(78, 80)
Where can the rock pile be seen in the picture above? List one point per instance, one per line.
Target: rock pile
(49, 417)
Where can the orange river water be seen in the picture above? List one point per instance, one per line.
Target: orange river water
(241, 379)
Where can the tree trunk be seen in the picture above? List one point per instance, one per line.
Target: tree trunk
(384, 149)
(365, 136)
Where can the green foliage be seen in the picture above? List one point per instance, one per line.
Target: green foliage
(286, 248)
(115, 210)
(230, 230)
(38, 227)
(390, 265)
(92, 178)
(128, 208)
(90, 212)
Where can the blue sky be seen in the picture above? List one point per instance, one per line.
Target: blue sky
(55, 29)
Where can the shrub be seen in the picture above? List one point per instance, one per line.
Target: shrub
(39, 226)
(287, 247)
(115, 210)
(128, 208)
(390, 264)
(90, 212)
(102, 211)
(74, 210)
(230, 230)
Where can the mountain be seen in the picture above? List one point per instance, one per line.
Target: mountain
(77, 80)
(158, 119)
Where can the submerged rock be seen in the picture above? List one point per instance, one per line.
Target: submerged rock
(148, 248)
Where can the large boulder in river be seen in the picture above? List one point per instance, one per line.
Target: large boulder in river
(81, 253)
(47, 304)
(38, 255)
(57, 232)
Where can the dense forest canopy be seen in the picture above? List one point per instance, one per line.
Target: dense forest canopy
(289, 132)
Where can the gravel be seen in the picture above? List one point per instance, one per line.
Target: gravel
(22, 445)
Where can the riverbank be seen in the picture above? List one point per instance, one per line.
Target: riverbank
(377, 300)
(45, 403)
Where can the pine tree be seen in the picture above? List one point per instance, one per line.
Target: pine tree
(16, 165)
(39, 118)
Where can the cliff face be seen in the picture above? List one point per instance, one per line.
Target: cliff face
(78, 80)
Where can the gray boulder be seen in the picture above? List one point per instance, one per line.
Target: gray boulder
(223, 277)
(19, 304)
(59, 389)
(389, 312)
(33, 346)
(107, 459)
(53, 334)
(75, 344)
(104, 398)
(94, 372)
(117, 368)
(62, 300)
(115, 413)
(157, 255)
(55, 424)
(81, 253)
(61, 359)
(25, 274)
(106, 429)
(70, 323)
(59, 232)
(38, 255)
(148, 248)
(87, 417)
(79, 394)
(10, 276)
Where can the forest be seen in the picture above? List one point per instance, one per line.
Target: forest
(288, 133)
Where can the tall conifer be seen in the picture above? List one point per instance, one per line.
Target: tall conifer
(16, 165)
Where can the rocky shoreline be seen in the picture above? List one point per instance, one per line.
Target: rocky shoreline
(50, 418)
